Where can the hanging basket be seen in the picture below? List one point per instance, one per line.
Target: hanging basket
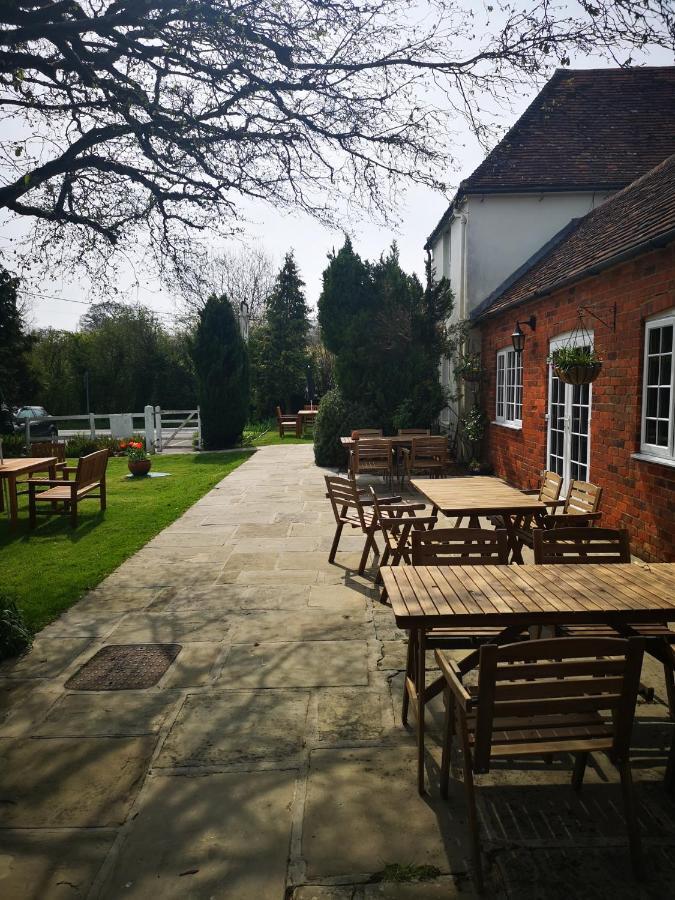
(583, 373)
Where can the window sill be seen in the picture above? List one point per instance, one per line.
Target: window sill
(659, 460)
(512, 425)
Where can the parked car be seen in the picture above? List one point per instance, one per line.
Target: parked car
(37, 428)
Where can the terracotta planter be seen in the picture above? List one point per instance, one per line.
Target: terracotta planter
(139, 466)
(581, 374)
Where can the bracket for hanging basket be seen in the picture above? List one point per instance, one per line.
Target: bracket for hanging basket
(580, 370)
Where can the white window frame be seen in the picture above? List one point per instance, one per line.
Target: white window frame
(654, 450)
(503, 406)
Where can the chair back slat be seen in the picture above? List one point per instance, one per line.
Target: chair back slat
(551, 485)
(459, 547)
(372, 451)
(91, 468)
(43, 449)
(433, 449)
(580, 545)
(556, 677)
(583, 497)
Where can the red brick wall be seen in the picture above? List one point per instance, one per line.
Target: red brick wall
(637, 495)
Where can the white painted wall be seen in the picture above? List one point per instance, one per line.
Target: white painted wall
(489, 237)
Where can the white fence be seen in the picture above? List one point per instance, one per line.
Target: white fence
(163, 428)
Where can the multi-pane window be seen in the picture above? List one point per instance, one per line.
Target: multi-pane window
(658, 399)
(509, 387)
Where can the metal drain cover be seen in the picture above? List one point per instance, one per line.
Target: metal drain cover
(124, 667)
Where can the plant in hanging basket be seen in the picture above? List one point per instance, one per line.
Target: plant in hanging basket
(576, 365)
(469, 367)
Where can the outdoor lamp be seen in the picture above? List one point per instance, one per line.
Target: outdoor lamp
(518, 336)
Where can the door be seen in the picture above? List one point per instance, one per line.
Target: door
(569, 427)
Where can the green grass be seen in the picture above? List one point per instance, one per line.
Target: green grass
(48, 569)
(272, 437)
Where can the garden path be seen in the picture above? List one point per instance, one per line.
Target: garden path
(269, 761)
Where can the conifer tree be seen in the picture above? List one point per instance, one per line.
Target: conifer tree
(221, 364)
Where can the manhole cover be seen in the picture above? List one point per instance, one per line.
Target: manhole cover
(125, 667)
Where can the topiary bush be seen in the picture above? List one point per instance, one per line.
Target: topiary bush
(337, 418)
(15, 636)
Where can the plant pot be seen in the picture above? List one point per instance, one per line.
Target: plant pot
(584, 373)
(139, 466)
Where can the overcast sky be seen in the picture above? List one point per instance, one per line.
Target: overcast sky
(417, 213)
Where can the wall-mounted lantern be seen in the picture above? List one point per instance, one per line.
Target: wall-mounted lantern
(518, 336)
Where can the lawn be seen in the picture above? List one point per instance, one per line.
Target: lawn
(48, 569)
(272, 437)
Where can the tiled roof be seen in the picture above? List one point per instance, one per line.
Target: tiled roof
(588, 129)
(632, 221)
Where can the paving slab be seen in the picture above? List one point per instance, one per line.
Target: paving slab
(353, 716)
(167, 628)
(213, 836)
(290, 665)
(432, 889)
(299, 625)
(47, 658)
(23, 706)
(51, 865)
(62, 782)
(335, 598)
(194, 665)
(243, 728)
(107, 713)
(376, 816)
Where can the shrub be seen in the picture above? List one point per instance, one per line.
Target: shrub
(82, 445)
(13, 445)
(14, 634)
(337, 418)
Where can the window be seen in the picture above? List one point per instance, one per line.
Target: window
(509, 388)
(658, 396)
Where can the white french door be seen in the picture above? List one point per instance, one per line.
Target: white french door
(569, 427)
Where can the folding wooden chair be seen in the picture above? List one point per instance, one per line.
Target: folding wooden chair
(353, 507)
(396, 521)
(89, 476)
(372, 456)
(536, 698)
(426, 456)
(580, 509)
(606, 545)
(548, 492)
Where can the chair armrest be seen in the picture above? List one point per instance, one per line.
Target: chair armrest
(389, 500)
(554, 504)
(452, 677)
(41, 482)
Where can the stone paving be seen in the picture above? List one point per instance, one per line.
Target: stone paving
(269, 761)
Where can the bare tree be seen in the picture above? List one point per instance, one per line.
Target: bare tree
(246, 274)
(133, 120)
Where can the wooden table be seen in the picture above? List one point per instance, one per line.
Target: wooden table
(304, 417)
(399, 440)
(11, 469)
(513, 597)
(475, 496)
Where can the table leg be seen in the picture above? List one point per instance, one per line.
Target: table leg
(2, 494)
(421, 698)
(512, 537)
(13, 503)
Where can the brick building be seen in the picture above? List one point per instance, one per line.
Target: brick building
(618, 432)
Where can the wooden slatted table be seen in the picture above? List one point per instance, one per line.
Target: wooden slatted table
(475, 496)
(514, 597)
(11, 469)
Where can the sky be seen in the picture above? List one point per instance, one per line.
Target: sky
(60, 304)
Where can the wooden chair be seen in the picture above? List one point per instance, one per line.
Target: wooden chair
(372, 456)
(287, 420)
(89, 476)
(452, 547)
(536, 698)
(426, 456)
(43, 449)
(396, 521)
(580, 509)
(605, 545)
(353, 507)
(550, 485)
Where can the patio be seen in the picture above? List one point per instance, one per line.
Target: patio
(269, 761)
